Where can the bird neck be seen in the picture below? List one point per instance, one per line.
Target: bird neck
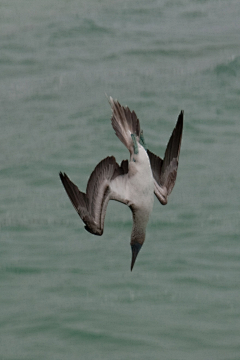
(139, 228)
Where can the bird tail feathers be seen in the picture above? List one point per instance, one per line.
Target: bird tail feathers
(125, 123)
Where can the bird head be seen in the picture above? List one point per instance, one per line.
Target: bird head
(136, 247)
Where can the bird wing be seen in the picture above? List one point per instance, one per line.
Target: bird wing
(91, 206)
(124, 122)
(165, 171)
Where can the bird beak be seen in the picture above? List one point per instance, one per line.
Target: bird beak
(135, 250)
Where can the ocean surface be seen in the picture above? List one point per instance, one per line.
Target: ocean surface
(64, 293)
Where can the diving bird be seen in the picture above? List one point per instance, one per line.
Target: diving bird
(133, 183)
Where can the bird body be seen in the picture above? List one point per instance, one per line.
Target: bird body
(139, 194)
(133, 183)
(138, 185)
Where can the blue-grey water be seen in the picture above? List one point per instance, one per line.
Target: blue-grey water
(64, 293)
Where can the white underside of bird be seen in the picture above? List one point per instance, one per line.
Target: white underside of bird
(136, 188)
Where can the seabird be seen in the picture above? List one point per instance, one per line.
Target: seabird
(133, 183)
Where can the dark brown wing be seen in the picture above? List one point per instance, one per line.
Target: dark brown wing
(165, 171)
(92, 206)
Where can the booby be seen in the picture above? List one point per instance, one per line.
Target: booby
(132, 183)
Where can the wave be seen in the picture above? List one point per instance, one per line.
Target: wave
(230, 68)
(84, 27)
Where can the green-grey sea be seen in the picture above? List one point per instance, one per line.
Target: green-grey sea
(64, 293)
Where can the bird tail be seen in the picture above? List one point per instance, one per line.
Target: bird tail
(125, 123)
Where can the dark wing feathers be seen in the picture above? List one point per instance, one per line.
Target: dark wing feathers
(92, 206)
(174, 143)
(78, 199)
(165, 171)
(98, 191)
(156, 164)
(121, 170)
(124, 167)
(98, 181)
